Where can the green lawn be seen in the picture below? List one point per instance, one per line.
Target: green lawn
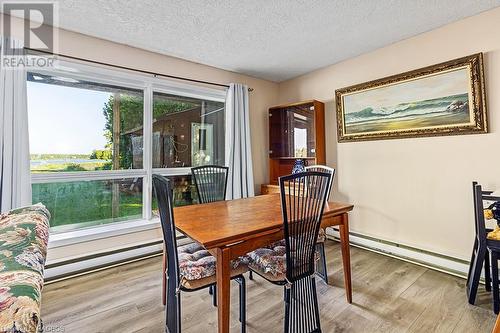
(89, 202)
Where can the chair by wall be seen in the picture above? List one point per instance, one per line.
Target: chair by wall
(480, 256)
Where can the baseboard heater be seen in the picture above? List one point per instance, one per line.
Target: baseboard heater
(83, 265)
(432, 260)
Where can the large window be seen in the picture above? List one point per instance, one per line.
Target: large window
(187, 132)
(95, 141)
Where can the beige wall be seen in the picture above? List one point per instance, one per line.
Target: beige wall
(413, 191)
(265, 93)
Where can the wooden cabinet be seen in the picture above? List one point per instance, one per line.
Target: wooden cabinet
(269, 189)
(296, 131)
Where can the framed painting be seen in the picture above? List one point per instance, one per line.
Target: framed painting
(444, 99)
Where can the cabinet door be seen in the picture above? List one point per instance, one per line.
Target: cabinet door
(292, 132)
(302, 136)
(278, 133)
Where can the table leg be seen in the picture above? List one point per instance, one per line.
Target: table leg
(346, 255)
(496, 329)
(223, 288)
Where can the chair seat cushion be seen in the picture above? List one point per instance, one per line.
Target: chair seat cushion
(195, 284)
(270, 261)
(196, 263)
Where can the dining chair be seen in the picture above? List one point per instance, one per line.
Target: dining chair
(484, 244)
(189, 267)
(480, 254)
(321, 270)
(291, 261)
(210, 182)
(211, 186)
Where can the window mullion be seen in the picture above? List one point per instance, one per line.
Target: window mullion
(147, 153)
(72, 176)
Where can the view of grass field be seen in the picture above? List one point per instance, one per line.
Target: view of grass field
(89, 202)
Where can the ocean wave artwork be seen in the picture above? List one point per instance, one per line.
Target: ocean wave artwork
(437, 100)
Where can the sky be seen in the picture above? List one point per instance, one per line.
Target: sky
(70, 121)
(442, 85)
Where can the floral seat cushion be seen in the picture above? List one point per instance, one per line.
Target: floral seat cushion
(23, 249)
(197, 264)
(270, 261)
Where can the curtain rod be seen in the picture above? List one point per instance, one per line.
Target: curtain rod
(131, 69)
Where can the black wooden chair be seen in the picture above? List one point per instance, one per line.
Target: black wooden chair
(291, 262)
(189, 267)
(211, 182)
(480, 254)
(483, 246)
(211, 186)
(321, 270)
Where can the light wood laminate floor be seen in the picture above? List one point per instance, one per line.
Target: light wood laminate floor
(389, 295)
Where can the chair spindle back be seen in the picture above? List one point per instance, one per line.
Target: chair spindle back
(303, 197)
(211, 182)
(324, 168)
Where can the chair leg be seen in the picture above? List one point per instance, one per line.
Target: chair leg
(173, 309)
(287, 308)
(243, 306)
(250, 275)
(472, 259)
(476, 268)
(301, 307)
(487, 272)
(316, 309)
(164, 280)
(321, 269)
(494, 277)
(214, 295)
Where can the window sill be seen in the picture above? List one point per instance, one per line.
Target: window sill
(105, 231)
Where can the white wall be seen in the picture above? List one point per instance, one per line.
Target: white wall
(413, 191)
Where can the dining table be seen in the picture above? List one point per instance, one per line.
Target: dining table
(232, 228)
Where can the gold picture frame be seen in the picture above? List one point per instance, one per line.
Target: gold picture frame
(443, 99)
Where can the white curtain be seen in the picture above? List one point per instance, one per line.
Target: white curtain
(238, 145)
(15, 178)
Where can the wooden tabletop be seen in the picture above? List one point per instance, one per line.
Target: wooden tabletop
(225, 222)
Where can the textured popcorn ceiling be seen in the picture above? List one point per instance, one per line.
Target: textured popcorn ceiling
(270, 39)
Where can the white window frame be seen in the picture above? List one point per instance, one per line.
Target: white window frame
(149, 85)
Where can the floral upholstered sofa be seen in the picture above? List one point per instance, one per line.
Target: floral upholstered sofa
(23, 249)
